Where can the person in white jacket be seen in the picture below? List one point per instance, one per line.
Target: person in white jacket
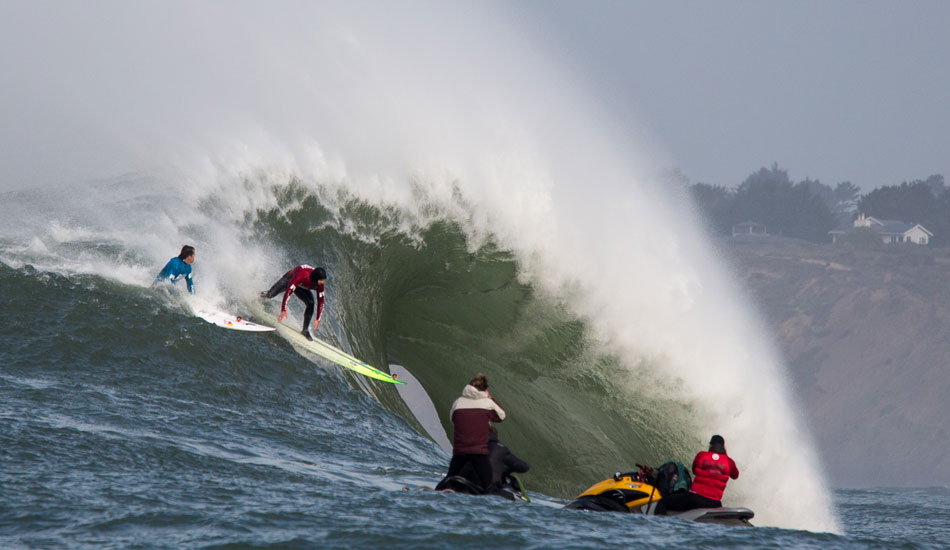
(472, 415)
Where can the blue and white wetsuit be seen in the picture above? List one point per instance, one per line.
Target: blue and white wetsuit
(173, 270)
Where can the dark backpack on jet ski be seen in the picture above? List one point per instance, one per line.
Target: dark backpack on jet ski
(672, 477)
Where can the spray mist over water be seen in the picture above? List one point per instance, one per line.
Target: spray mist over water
(439, 114)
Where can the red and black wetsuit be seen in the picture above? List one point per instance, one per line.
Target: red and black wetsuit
(297, 281)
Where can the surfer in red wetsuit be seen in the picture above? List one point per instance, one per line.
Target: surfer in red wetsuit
(300, 281)
(712, 470)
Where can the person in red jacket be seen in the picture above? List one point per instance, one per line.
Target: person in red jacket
(472, 414)
(712, 469)
(300, 281)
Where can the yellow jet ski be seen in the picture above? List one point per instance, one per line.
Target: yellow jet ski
(639, 492)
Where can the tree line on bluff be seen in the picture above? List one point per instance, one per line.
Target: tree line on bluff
(809, 209)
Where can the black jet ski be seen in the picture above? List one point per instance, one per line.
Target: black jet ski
(639, 493)
(511, 487)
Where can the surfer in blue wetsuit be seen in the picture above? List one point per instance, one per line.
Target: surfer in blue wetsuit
(178, 267)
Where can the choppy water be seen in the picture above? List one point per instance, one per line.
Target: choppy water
(127, 423)
(466, 225)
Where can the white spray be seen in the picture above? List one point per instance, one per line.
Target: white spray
(443, 100)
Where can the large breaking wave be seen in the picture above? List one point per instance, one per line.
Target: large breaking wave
(474, 216)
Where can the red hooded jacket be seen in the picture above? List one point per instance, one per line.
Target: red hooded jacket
(711, 471)
(471, 415)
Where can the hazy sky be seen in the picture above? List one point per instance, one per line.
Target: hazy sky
(834, 90)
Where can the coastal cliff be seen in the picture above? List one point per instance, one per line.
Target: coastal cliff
(865, 335)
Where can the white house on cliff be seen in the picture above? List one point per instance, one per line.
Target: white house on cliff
(891, 231)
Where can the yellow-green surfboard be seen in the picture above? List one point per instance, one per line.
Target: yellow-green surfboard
(333, 354)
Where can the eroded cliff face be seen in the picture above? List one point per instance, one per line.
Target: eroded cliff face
(866, 338)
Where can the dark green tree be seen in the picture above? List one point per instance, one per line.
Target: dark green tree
(825, 192)
(847, 195)
(909, 202)
(811, 217)
(936, 185)
(716, 205)
(794, 210)
(760, 198)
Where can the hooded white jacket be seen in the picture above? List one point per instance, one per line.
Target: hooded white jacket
(471, 415)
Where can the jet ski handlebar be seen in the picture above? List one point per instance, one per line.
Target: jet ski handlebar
(643, 474)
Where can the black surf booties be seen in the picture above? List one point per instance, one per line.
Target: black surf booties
(306, 334)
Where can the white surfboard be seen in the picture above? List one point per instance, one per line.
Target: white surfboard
(233, 322)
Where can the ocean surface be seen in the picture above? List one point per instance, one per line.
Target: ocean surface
(126, 422)
(480, 206)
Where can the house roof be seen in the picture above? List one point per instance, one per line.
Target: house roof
(885, 227)
(895, 227)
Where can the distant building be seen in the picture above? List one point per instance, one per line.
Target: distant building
(890, 231)
(748, 228)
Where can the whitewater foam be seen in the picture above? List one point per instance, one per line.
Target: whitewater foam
(433, 121)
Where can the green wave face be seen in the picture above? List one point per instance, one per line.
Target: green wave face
(429, 285)
(423, 298)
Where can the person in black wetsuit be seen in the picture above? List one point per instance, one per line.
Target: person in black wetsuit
(503, 461)
(503, 464)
